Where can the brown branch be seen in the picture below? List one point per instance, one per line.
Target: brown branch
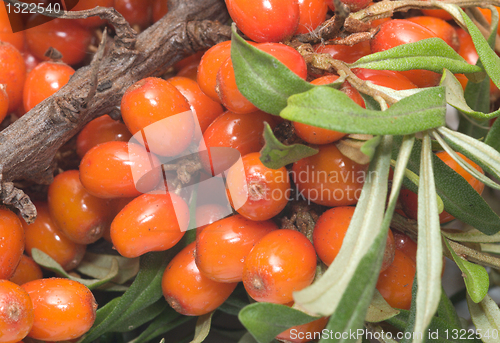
(28, 146)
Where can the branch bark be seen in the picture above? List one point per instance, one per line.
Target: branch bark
(28, 146)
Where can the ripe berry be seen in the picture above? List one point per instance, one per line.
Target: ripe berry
(81, 216)
(221, 248)
(4, 103)
(135, 12)
(409, 200)
(6, 24)
(329, 178)
(12, 74)
(43, 81)
(151, 100)
(63, 309)
(257, 192)
(64, 35)
(440, 28)
(27, 270)
(119, 169)
(385, 78)
(346, 53)
(406, 245)
(160, 8)
(101, 130)
(209, 66)
(208, 214)
(187, 290)
(395, 283)
(11, 243)
(151, 222)
(265, 20)
(282, 262)
(353, 5)
(312, 14)
(16, 312)
(397, 32)
(44, 235)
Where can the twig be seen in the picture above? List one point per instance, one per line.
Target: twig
(95, 65)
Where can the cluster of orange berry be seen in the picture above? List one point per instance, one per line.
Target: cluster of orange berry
(123, 192)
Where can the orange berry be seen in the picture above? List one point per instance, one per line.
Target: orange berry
(11, 243)
(16, 312)
(27, 270)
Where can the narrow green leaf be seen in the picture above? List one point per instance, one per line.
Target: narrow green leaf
(488, 57)
(459, 198)
(265, 320)
(379, 310)
(447, 311)
(493, 137)
(275, 154)
(484, 155)
(431, 54)
(486, 318)
(144, 291)
(202, 327)
(475, 276)
(168, 320)
(261, 78)
(490, 248)
(346, 289)
(48, 262)
(472, 235)
(370, 146)
(455, 97)
(429, 248)
(141, 317)
(98, 265)
(331, 109)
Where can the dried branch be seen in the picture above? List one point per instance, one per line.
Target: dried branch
(28, 146)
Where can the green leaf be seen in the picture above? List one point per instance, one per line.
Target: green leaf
(475, 276)
(168, 320)
(98, 265)
(247, 338)
(430, 54)
(331, 109)
(447, 311)
(202, 327)
(459, 198)
(275, 154)
(48, 262)
(455, 97)
(486, 318)
(265, 320)
(429, 248)
(261, 78)
(141, 317)
(144, 291)
(379, 310)
(473, 235)
(370, 146)
(346, 289)
(488, 57)
(493, 137)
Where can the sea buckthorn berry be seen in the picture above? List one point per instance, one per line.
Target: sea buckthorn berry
(316, 135)
(6, 33)
(312, 14)
(186, 61)
(354, 5)
(487, 15)
(409, 200)
(81, 216)
(397, 32)
(346, 53)
(385, 78)
(44, 235)
(191, 72)
(242, 132)
(101, 130)
(305, 332)
(257, 192)
(43, 81)
(135, 12)
(282, 262)
(221, 248)
(202, 106)
(160, 8)
(30, 61)
(187, 290)
(208, 214)
(390, 248)
(12, 74)
(405, 244)
(209, 66)
(63, 309)
(91, 22)
(16, 312)
(4, 103)
(329, 178)
(64, 35)
(151, 222)
(441, 29)
(287, 55)
(265, 20)
(395, 283)
(108, 170)
(11, 243)
(151, 100)
(27, 270)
